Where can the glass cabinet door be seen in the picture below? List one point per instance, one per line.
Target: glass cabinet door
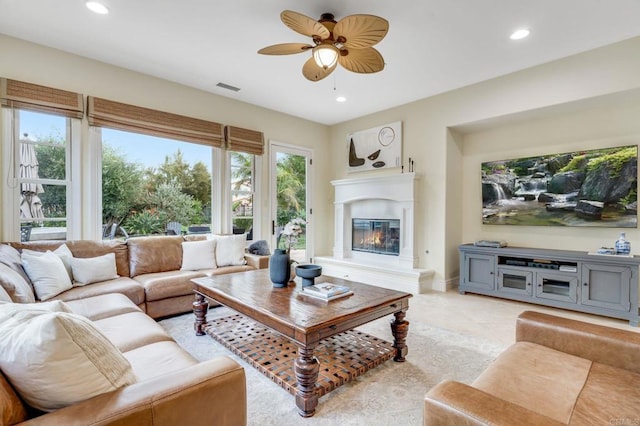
(515, 281)
(557, 286)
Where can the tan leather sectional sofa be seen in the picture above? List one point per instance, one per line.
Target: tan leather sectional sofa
(148, 268)
(172, 387)
(559, 372)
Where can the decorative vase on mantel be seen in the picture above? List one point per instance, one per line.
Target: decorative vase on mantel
(280, 268)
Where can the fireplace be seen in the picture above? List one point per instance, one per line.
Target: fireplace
(380, 236)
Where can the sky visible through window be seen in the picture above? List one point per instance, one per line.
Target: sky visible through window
(150, 151)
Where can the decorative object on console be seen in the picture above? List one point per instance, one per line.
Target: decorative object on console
(347, 42)
(623, 246)
(581, 188)
(280, 268)
(376, 148)
(308, 273)
(260, 248)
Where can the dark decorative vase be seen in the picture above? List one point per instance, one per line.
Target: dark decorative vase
(279, 268)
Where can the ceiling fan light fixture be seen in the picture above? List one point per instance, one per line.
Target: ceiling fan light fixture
(325, 55)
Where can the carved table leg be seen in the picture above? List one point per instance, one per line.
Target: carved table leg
(400, 329)
(200, 307)
(306, 369)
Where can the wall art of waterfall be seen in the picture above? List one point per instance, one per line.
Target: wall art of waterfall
(583, 188)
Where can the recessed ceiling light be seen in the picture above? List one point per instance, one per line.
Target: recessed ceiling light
(341, 99)
(520, 34)
(97, 7)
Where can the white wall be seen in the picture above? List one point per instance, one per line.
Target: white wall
(37, 64)
(435, 135)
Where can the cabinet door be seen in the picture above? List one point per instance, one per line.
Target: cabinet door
(606, 286)
(515, 281)
(479, 271)
(557, 286)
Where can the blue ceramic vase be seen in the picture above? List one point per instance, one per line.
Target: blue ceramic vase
(279, 268)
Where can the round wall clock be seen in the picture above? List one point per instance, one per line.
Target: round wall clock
(386, 135)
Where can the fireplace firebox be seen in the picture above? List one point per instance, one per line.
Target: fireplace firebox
(381, 236)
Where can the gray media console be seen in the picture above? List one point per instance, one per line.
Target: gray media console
(602, 285)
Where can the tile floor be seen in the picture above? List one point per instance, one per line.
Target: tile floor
(487, 317)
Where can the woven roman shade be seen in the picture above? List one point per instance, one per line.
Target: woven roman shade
(243, 140)
(116, 115)
(18, 94)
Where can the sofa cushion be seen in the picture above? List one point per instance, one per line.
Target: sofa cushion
(158, 359)
(538, 378)
(610, 393)
(85, 248)
(62, 252)
(130, 288)
(56, 359)
(93, 269)
(103, 306)
(154, 254)
(47, 273)
(198, 255)
(18, 289)
(229, 270)
(131, 330)
(10, 257)
(230, 249)
(162, 285)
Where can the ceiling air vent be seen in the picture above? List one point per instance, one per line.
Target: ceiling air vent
(228, 87)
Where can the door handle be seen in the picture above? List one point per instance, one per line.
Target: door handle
(273, 227)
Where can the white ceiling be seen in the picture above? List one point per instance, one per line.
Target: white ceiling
(433, 46)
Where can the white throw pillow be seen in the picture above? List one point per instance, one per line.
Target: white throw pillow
(57, 359)
(93, 269)
(63, 252)
(47, 273)
(18, 289)
(198, 255)
(230, 249)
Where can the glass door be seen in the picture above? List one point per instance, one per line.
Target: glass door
(290, 200)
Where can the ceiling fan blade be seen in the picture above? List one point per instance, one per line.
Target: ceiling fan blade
(360, 31)
(303, 24)
(363, 61)
(285, 49)
(313, 72)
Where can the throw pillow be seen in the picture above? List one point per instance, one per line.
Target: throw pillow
(47, 273)
(18, 289)
(198, 255)
(57, 359)
(93, 269)
(63, 252)
(11, 257)
(230, 249)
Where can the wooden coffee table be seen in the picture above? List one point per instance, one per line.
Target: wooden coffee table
(311, 325)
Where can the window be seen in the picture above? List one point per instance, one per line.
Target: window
(153, 185)
(242, 172)
(40, 162)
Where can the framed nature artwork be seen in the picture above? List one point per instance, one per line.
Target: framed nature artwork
(583, 188)
(376, 148)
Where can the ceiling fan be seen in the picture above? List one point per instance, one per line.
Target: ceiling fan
(346, 42)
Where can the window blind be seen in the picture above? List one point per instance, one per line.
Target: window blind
(120, 116)
(18, 94)
(244, 140)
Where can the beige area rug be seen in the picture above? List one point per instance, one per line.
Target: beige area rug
(390, 394)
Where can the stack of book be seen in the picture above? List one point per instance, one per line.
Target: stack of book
(326, 291)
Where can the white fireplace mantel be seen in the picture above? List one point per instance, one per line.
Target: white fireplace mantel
(376, 197)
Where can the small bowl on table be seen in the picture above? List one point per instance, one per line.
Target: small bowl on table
(308, 273)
